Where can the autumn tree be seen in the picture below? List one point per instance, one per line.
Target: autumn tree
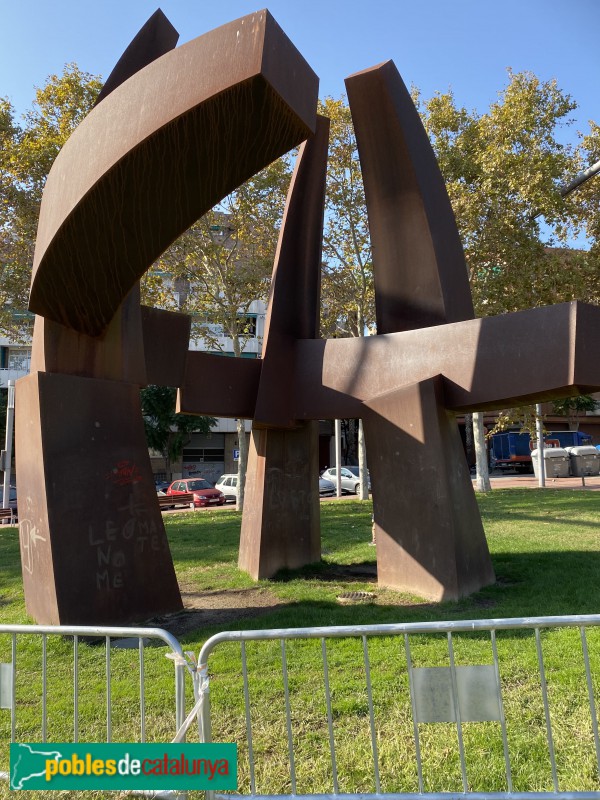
(166, 431)
(504, 170)
(27, 151)
(222, 265)
(347, 293)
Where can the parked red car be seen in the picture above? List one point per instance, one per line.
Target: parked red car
(204, 494)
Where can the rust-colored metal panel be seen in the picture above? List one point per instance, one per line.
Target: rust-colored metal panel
(92, 538)
(281, 521)
(294, 305)
(528, 356)
(137, 172)
(430, 540)
(156, 37)
(218, 385)
(420, 271)
(118, 355)
(166, 336)
(281, 525)
(36, 551)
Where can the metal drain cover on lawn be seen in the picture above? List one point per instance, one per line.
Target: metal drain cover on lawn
(356, 597)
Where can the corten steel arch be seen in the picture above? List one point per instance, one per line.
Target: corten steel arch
(175, 131)
(230, 102)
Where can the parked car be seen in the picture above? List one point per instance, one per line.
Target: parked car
(12, 497)
(326, 488)
(204, 493)
(161, 486)
(350, 478)
(228, 485)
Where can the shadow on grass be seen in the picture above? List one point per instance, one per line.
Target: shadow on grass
(330, 571)
(527, 585)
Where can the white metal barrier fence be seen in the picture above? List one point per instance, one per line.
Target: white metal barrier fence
(74, 683)
(500, 708)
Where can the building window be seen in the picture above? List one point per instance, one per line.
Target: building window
(19, 359)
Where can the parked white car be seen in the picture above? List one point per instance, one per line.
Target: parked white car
(228, 484)
(350, 478)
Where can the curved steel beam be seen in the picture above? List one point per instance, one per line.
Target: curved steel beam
(418, 263)
(156, 154)
(155, 38)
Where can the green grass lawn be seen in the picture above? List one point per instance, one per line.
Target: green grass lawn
(545, 547)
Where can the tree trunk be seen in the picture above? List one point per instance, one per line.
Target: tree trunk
(362, 463)
(350, 441)
(242, 462)
(573, 422)
(483, 475)
(469, 440)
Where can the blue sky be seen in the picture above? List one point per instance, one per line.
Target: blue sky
(466, 45)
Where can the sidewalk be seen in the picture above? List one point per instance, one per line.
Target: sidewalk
(531, 482)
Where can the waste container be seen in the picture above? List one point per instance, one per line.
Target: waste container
(556, 462)
(585, 460)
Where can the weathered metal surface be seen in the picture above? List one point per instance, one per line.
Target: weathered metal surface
(494, 362)
(156, 154)
(166, 337)
(418, 262)
(118, 355)
(281, 523)
(175, 131)
(430, 539)
(93, 544)
(477, 692)
(224, 387)
(155, 38)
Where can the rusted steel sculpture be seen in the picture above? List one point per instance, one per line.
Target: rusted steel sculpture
(176, 131)
(429, 360)
(173, 132)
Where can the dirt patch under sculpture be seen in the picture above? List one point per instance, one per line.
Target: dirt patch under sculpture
(211, 609)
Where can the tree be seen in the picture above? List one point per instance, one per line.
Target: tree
(503, 171)
(222, 265)
(166, 431)
(572, 407)
(347, 296)
(27, 152)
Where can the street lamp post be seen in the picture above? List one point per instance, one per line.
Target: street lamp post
(7, 452)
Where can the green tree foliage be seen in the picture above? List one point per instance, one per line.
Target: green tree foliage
(572, 407)
(503, 171)
(347, 304)
(27, 151)
(222, 265)
(347, 296)
(166, 431)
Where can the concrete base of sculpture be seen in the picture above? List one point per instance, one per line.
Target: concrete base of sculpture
(89, 557)
(421, 484)
(281, 525)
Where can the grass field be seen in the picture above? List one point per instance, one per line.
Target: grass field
(545, 547)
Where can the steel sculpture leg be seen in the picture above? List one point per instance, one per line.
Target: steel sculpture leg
(89, 557)
(430, 539)
(280, 528)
